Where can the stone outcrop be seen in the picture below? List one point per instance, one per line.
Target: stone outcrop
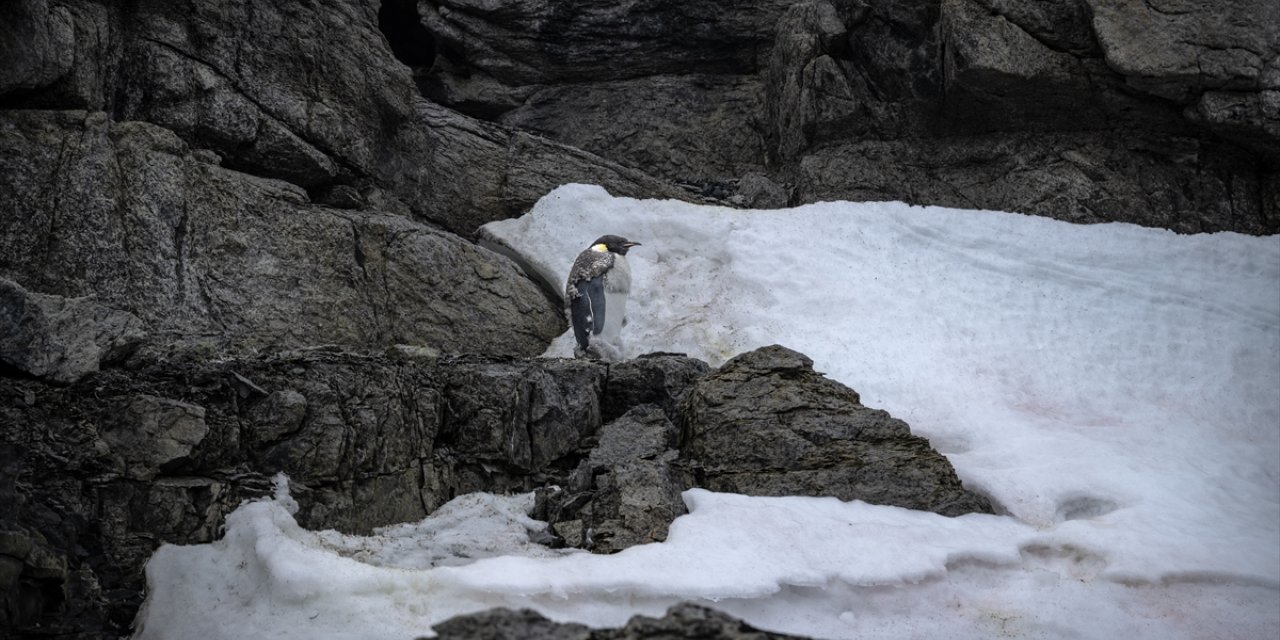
(767, 424)
(62, 339)
(201, 253)
(764, 424)
(627, 490)
(681, 621)
(1170, 182)
(95, 474)
(1163, 114)
(304, 93)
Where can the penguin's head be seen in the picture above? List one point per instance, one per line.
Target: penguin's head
(613, 244)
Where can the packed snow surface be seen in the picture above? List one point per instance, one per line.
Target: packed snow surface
(1115, 390)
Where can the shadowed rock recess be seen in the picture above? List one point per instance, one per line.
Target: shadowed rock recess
(236, 238)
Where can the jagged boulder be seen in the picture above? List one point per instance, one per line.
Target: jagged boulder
(627, 490)
(43, 35)
(1178, 49)
(681, 621)
(647, 123)
(661, 379)
(1225, 70)
(62, 339)
(509, 624)
(254, 98)
(607, 41)
(124, 459)
(58, 54)
(764, 424)
(521, 416)
(767, 424)
(805, 88)
(692, 621)
(1181, 183)
(1004, 69)
(149, 433)
(240, 80)
(460, 172)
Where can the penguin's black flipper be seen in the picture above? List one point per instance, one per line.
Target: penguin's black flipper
(587, 310)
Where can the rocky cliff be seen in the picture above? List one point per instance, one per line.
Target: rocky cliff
(1160, 113)
(236, 239)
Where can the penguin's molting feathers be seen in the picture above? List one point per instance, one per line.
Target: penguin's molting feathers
(599, 274)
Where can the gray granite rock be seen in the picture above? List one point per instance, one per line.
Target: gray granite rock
(62, 339)
(1177, 49)
(767, 424)
(161, 451)
(201, 252)
(1172, 102)
(150, 433)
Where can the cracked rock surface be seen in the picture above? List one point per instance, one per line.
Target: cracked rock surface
(1173, 104)
(94, 475)
(202, 253)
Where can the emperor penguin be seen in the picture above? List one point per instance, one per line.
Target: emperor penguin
(597, 291)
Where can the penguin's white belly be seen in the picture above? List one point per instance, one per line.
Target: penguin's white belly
(616, 308)
(617, 288)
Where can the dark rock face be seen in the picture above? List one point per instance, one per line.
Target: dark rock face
(1082, 110)
(62, 339)
(95, 474)
(646, 122)
(627, 491)
(1083, 177)
(309, 94)
(681, 621)
(657, 378)
(255, 98)
(196, 250)
(767, 424)
(506, 624)
(530, 415)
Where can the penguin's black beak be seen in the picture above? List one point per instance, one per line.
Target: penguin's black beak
(631, 244)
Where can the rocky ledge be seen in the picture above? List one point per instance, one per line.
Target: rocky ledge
(95, 474)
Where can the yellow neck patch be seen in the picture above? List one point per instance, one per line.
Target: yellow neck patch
(600, 248)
